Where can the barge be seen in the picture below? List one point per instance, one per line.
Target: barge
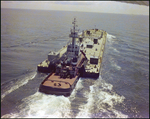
(82, 57)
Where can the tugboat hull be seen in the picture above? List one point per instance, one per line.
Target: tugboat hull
(56, 90)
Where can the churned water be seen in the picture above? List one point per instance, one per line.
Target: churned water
(122, 89)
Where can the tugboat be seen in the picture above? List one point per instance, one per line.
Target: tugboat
(80, 58)
(65, 69)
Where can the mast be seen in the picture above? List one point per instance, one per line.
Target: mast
(74, 34)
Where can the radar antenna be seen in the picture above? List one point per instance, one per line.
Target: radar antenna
(74, 34)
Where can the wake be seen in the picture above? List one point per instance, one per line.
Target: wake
(40, 105)
(101, 101)
(12, 86)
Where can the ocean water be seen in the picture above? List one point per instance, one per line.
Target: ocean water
(122, 89)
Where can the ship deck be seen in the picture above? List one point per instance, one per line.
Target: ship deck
(95, 51)
(56, 82)
(45, 63)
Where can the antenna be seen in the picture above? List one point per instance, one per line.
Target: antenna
(74, 34)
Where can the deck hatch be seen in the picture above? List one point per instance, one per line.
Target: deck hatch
(93, 60)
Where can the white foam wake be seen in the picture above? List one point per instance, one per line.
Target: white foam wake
(40, 105)
(114, 64)
(114, 49)
(101, 101)
(111, 39)
(109, 36)
(78, 87)
(18, 84)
